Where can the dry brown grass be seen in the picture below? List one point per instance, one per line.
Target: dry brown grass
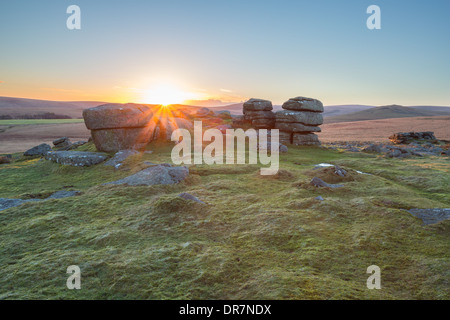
(380, 130)
(22, 137)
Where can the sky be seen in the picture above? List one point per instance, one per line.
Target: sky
(142, 51)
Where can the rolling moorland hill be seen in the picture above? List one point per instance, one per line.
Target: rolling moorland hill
(334, 113)
(389, 112)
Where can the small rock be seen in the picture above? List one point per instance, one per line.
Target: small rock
(120, 157)
(319, 198)
(63, 194)
(188, 196)
(154, 175)
(431, 216)
(39, 150)
(317, 182)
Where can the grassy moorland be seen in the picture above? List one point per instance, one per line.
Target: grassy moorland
(256, 238)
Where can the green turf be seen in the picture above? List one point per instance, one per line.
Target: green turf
(256, 238)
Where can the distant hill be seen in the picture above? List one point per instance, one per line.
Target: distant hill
(388, 112)
(337, 110)
(20, 106)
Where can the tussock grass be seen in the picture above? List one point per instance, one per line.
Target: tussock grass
(255, 238)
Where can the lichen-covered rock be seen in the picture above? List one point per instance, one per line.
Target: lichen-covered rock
(76, 158)
(303, 104)
(154, 175)
(114, 140)
(296, 127)
(303, 117)
(257, 105)
(305, 139)
(317, 182)
(407, 137)
(39, 150)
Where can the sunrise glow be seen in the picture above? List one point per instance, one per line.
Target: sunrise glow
(166, 94)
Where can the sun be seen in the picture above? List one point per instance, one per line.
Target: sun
(166, 94)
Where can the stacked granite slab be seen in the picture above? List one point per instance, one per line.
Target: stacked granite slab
(258, 113)
(299, 121)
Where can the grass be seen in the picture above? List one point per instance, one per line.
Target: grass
(37, 121)
(255, 238)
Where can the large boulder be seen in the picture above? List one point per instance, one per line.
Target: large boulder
(114, 140)
(116, 115)
(303, 104)
(257, 105)
(76, 158)
(303, 117)
(116, 126)
(39, 150)
(159, 174)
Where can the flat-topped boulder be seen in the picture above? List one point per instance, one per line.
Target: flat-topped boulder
(116, 115)
(257, 105)
(117, 126)
(76, 158)
(303, 104)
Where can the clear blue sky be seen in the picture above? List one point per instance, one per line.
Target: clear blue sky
(229, 50)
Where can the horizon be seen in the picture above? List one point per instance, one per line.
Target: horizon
(231, 103)
(161, 53)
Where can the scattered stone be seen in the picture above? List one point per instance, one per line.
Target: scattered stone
(76, 145)
(407, 137)
(76, 158)
(63, 194)
(372, 148)
(188, 196)
(317, 182)
(431, 216)
(339, 171)
(39, 150)
(10, 203)
(283, 148)
(155, 175)
(62, 143)
(120, 157)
